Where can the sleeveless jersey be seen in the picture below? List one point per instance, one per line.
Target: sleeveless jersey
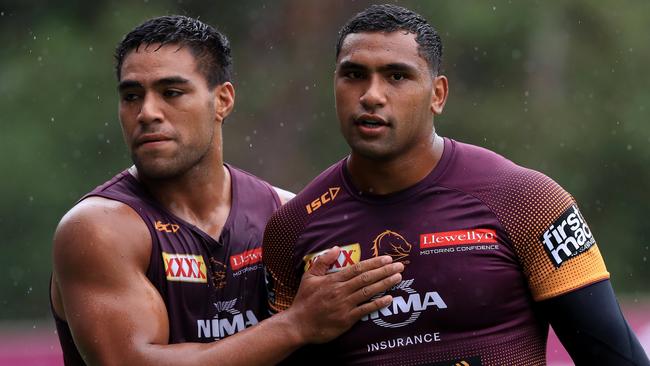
(211, 288)
(481, 238)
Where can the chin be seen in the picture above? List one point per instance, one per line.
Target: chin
(377, 153)
(158, 170)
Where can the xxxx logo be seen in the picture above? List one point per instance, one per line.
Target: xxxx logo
(167, 228)
(349, 256)
(184, 267)
(326, 197)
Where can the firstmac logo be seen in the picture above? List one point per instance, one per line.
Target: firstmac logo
(184, 267)
(567, 237)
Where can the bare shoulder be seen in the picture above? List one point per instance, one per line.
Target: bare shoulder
(285, 196)
(101, 254)
(95, 238)
(99, 226)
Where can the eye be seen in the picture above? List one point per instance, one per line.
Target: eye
(354, 75)
(170, 93)
(130, 97)
(397, 76)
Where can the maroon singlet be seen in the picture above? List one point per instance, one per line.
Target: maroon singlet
(211, 288)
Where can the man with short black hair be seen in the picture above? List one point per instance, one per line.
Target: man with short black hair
(156, 264)
(493, 252)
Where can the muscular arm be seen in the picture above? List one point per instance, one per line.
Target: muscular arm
(590, 325)
(116, 316)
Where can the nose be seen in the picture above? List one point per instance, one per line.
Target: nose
(374, 96)
(150, 110)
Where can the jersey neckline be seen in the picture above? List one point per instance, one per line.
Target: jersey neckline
(234, 203)
(398, 196)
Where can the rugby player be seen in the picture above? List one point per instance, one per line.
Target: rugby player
(493, 251)
(153, 266)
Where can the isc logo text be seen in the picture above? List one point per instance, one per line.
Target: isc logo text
(323, 199)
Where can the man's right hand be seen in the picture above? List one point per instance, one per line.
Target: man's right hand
(327, 305)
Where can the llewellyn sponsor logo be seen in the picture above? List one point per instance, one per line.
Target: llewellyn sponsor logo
(406, 307)
(458, 237)
(184, 267)
(245, 259)
(567, 237)
(226, 322)
(349, 256)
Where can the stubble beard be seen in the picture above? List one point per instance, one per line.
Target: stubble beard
(169, 168)
(379, 150)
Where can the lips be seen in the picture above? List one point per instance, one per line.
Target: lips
(151, 138)
(370, 121)
(371, 126)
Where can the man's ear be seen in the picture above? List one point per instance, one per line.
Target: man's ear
(440, 93)
(224, 102)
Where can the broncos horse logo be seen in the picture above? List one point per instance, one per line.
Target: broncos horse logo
(218, 271)
(393, 244)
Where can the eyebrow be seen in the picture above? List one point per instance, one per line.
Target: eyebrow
(351, 65)
(172, 80)
(399, 66)
(396, 66)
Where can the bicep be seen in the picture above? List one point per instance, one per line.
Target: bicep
(592, 328)
(107, 299)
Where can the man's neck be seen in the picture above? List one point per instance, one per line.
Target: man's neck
(201, 196)
(394, 175)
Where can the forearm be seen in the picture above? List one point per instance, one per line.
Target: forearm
(590, 325)
(266, 343)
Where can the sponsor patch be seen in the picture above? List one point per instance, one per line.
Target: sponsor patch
(406, 307)
(349, 256)
(324, 198)
(227, 321)
(245, 259)
(567, 237)
(458, 237)
(184, 267)
(166, 228)
(404, 341)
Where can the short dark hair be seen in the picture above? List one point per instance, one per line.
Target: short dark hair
(209, 46)
(390, 18)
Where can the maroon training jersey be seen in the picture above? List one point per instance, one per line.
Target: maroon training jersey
(211, 288)
(481, 238)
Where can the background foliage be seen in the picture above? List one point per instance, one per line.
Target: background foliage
(560, 87)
